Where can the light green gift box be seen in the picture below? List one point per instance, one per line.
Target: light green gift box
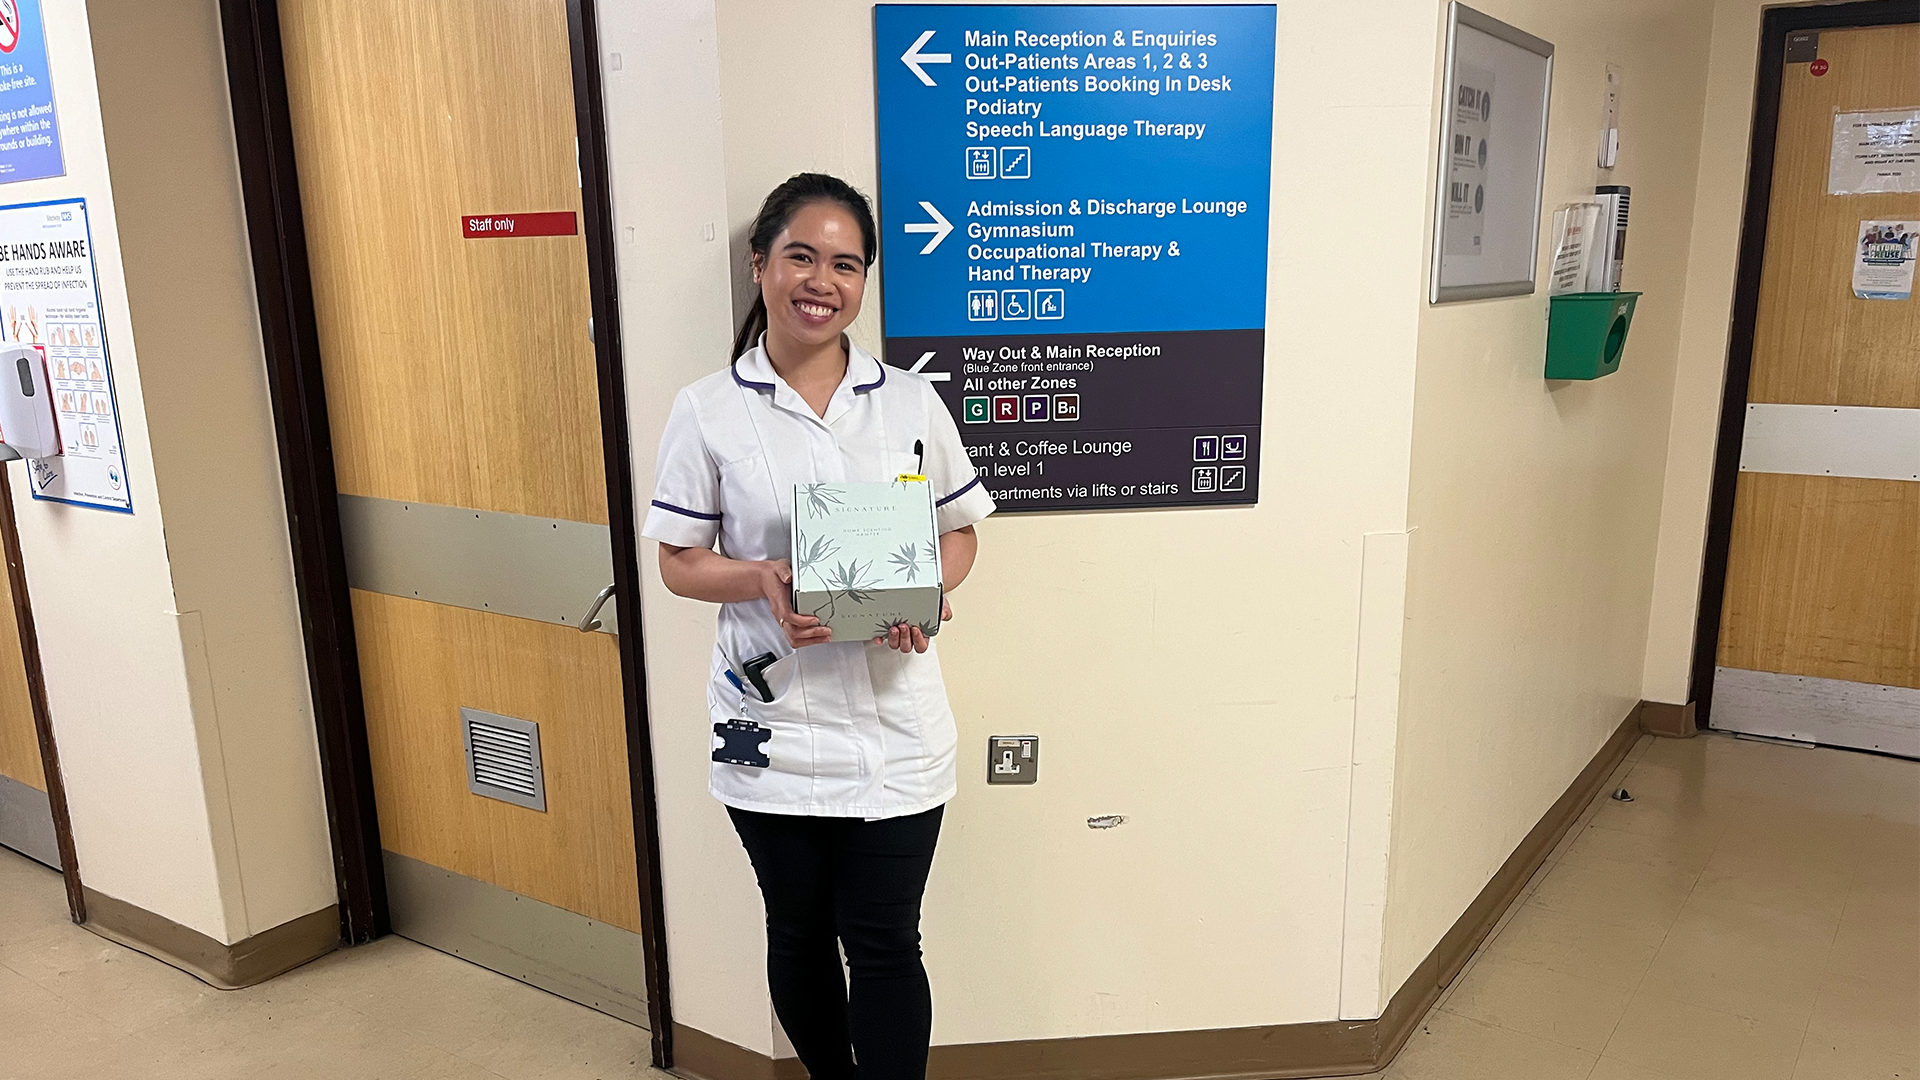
(866, 557)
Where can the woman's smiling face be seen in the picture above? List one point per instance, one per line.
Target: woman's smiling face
(814, 275)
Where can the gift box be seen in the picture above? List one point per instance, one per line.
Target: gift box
(866, 557)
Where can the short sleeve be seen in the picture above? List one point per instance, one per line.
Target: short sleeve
(960, 499)
(686, 485)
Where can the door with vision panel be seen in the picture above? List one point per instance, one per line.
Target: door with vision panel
(1820, 625)
(462, 395)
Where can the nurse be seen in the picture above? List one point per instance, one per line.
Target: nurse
(848, 765)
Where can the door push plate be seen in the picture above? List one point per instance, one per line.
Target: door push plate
(1013, 759)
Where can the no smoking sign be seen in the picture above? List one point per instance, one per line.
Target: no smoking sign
(9, 25)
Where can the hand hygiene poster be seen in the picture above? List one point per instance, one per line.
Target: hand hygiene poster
(50, 298)
(29, 130)
(1074, 206)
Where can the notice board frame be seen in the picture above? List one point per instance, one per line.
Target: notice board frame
(1439, 290)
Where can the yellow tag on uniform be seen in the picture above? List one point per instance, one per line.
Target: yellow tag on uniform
(907, 477)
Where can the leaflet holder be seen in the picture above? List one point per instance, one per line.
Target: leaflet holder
(1587, 332)
(29, 427)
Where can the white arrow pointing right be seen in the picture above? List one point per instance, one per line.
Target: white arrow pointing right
(913, 58)
(939, 227)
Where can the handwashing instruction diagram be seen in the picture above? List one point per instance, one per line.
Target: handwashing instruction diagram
(1074, 207)
(50, 298)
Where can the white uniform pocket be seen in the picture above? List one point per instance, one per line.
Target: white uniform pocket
(807, 739)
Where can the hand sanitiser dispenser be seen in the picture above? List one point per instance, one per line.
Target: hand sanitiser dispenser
(29, 427)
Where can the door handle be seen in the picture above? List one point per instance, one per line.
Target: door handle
(588, 624)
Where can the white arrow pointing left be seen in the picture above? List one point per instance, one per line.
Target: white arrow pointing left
(913, 58)
(920, 366)
(939, 227)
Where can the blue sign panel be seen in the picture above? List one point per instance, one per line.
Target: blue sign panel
(29, 130)
(1074, 205)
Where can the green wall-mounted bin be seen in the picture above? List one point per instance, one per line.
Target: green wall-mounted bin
(1587, 332)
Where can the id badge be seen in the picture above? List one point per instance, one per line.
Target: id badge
(740, 744)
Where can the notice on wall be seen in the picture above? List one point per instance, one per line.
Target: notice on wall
(1883, 260)
(1575, 227)
(1875, 152)
(50, 298)
(29, 128)
(1467, 161)
(1074, 205)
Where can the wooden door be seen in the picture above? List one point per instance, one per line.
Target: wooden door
(462, 395)
(1820, 628)
(26, 815)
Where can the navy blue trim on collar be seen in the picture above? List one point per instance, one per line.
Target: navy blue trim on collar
(735, 368)
(969, 487)
(685, 511)
(875, 384)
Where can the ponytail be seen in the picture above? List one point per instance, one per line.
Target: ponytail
(776, 212)
(752, 327)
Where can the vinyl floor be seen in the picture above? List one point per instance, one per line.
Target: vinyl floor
(1752, 914)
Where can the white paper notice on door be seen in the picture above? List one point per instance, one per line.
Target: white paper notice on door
(1875, 152)
(1467, 161)
(1883, 260)
(50, 298)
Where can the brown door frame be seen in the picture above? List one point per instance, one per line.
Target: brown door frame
(1776, 24)
(270, 186)
(37, 693)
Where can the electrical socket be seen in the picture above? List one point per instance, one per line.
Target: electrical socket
(1013, 759)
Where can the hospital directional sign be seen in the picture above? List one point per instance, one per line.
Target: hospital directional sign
(1074, 203)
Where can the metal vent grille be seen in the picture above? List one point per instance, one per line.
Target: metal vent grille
(503, 759)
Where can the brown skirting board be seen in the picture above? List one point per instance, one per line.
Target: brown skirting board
(1331, 1048)
(226, 967)
(1668, 721)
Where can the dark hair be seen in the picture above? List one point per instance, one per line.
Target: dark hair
(782, 203)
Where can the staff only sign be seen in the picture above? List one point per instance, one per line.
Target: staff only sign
(1074, 205)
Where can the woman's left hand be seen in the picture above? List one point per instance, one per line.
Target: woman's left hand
(909, 638)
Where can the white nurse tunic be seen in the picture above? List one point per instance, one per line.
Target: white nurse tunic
(858, 730)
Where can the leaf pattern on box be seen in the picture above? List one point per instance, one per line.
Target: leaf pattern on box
(808, 556)
(852, 581)
(908, 563)
(822, 499)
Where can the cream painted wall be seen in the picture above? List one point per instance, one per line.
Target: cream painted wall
(151, 625)
(1536, 506)
(661, 69)
(1223, 901)
(1719, 200)
(189, 272)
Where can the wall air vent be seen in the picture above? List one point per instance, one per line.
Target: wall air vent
(503, 759)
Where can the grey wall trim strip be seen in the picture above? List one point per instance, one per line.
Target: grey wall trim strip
(26, 822)
(545, 569)
(580, 959)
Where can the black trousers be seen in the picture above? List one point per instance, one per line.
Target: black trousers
(831, 882)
